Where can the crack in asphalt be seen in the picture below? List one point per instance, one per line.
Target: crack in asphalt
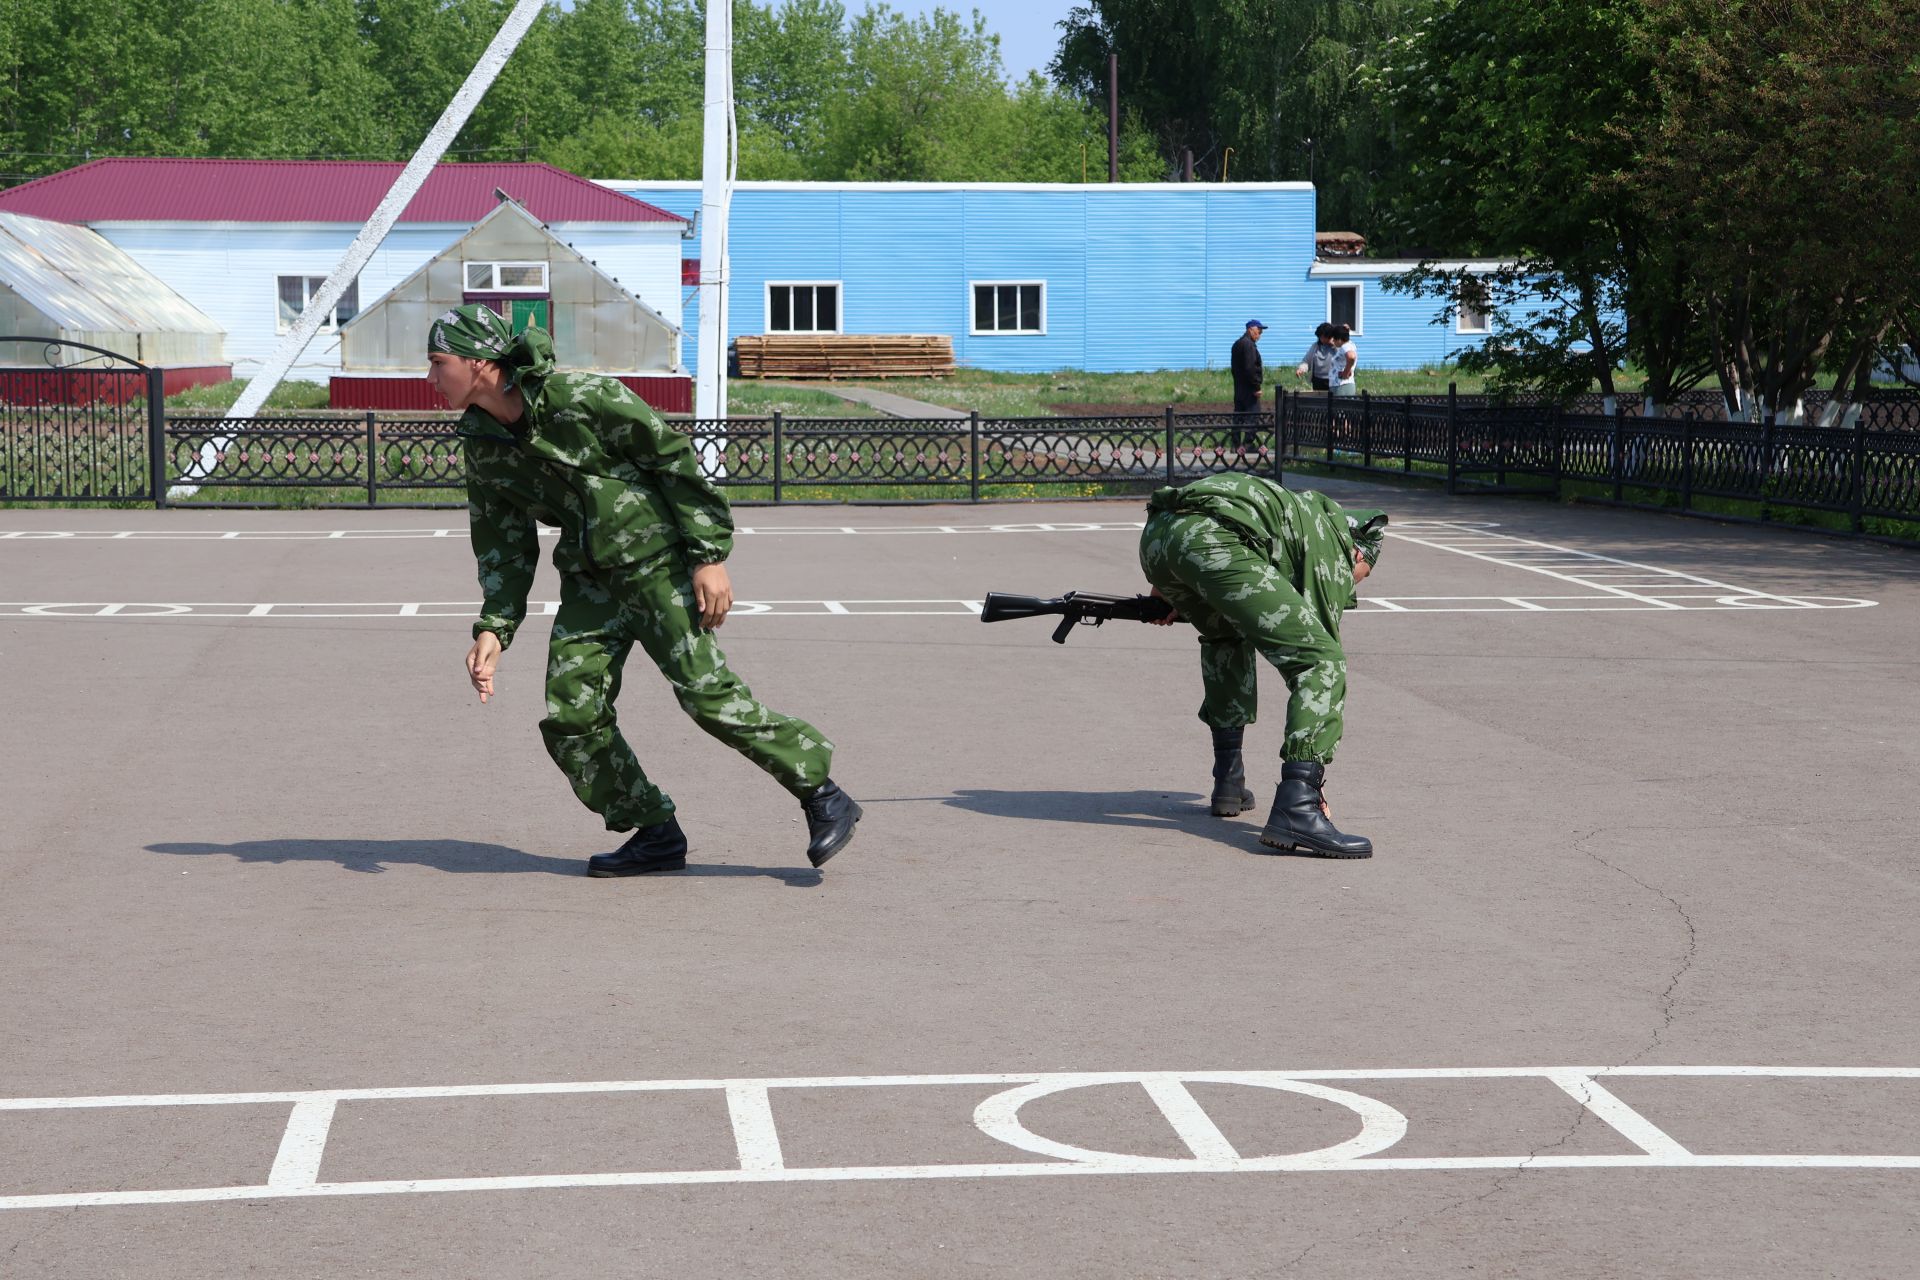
(1667, 1000)
(1502, 1181)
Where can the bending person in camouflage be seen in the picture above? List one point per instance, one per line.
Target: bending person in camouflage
(1265, 572)
(643, 540)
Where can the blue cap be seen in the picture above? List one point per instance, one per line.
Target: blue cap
(1255, 324)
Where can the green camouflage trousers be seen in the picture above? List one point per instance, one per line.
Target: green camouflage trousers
(1243, 604)
(595, 629)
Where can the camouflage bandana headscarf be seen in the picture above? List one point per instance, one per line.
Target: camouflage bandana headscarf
(478, 332)
(475, 331)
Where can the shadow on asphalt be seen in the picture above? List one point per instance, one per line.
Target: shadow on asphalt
(1148, 810)
(375, 856)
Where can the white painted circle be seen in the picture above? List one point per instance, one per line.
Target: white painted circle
(107, 610)
(1381, 1126)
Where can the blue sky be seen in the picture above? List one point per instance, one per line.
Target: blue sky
(1027, 29)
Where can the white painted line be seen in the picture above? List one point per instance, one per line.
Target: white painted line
(1600, 601)
(302, 1145)
(296, 1166)
(754, 1135)
(365, 535)
(1589, 569)
(927, 1173)
(1195, 1127)
(1487, 557)
(1632, 1126)
(398, 1092)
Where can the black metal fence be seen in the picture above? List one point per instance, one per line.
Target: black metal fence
(366, 459)
(96, 433)
(79, 426)
(1865, 472)
(379, 459)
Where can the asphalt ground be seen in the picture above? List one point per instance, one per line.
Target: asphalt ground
(256, 858)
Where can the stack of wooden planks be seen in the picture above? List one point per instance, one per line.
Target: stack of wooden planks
(848, 355)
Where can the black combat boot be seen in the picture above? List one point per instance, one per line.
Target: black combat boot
(660, 847)
(831, 814)
(1230, 795)
(1299, 822)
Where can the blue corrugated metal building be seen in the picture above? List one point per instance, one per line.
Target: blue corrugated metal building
(1037, 277)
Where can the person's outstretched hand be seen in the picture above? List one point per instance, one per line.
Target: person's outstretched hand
(481, 660)
(1173, 614)
(712, 594)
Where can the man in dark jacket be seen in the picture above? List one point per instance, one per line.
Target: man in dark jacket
(1248, 374)
(644, 537)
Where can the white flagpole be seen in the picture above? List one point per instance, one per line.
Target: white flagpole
(716, 198)
(404, 188)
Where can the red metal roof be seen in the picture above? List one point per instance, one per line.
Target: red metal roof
(141, 189)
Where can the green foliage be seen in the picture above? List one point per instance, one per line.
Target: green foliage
(1545, 324)
(1784, 163)
(218, 397)
(1520, 122)
(1277, 81)
(603, 87)
(1740, 180)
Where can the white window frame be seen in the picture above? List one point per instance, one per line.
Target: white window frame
(839, 305)
(1486, 314)
(1359, 302)
(542, 288)
(1005, 333)
(309, 285)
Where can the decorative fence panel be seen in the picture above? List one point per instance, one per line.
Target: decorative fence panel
(78, 430)
(1864, 472)
(1729, 470)
(365, 460)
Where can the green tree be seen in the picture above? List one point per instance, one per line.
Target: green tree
(1519, 122)
(1277, 82)
(790, 64)
(1785, 163)
(916, 89)
(281, 78)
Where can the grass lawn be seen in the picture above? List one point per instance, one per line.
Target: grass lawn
(751, 398)
(1035, 395)
(219, 397)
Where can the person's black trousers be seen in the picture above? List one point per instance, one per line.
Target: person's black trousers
(1246, 430)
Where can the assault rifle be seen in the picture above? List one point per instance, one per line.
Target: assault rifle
(1074, 608)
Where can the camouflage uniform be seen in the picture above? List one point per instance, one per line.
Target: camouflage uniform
(635, 515)
(1259, 569)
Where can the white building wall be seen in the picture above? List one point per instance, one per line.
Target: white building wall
(229, 271)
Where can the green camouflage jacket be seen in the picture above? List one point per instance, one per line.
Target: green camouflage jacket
(1289, 526)
(591, 457)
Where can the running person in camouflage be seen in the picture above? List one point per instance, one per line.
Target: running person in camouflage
(1266, 572)
(643, 540)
